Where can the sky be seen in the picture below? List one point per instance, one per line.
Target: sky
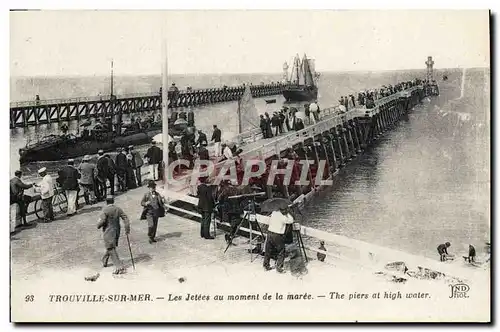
(50, 43)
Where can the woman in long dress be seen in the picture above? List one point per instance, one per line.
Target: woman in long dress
(131, 183)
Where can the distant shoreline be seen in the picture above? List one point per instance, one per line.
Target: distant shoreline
(244, 74)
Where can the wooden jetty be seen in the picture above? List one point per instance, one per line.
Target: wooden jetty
(344, 136)
(355, 131)
(32, 113)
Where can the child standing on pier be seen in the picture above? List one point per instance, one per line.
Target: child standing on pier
(443, 251)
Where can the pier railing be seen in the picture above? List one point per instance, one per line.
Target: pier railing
(329, 118)
(256, 134)
(31, 113)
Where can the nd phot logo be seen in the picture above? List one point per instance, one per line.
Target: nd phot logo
(459, 291)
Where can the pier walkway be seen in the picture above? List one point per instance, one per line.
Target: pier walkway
(32, 113)
(64, 252)
(351, 136)
(73, 247)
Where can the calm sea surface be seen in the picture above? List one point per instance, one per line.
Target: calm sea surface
(424, 183)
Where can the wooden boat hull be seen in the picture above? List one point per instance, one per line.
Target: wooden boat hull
(73, 148)
(300, 93)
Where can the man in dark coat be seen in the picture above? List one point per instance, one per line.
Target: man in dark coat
(281, 117)
(472, 254)
(286, 115)
(202, 139)
(275, 122)
(268, 125)
(203, 153)
(155, 156)
(172, 155)
(307, 112)
(121, 169)
(138, 162)
(206, 204)
(102, 175)
(87, 180)
(262, 126)
(299, 125)
(68, 179)
(216, 137)
(109, 221)
(154, 208)
(111, 174)
(17, 187)
(230, 209)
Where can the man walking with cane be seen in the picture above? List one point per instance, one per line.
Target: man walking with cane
(109, 221)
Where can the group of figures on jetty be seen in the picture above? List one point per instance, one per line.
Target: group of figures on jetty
(97, 181)
(94, 179)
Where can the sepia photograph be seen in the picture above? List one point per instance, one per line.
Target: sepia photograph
(250, 166)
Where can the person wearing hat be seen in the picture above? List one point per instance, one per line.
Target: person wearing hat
(87, 180)
(206, 203)
(228, 154)
(275, 241)
(130, 175)
(102, 175)
(46, 190)
(269, 132)
(262, 126)
(121, 169)
(203, 153)
(275, 123)
(68, 179)
(229, 208)
(111, 173)
(155, 156)
(281, 118)
(321, 256)
(18, 202)
(472, 254)
(109, 221)
(154, 208)
(202, 139)
(443, 251)
(216, 137)
(138, 162)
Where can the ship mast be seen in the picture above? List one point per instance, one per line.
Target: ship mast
(297, 64)
(118, 118)
(239, 115)
(111, 88)
(164, 110)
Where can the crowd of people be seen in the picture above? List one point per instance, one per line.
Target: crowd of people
(95, 179)
(228, 205)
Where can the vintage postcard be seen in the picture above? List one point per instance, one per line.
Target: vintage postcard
(250, 166)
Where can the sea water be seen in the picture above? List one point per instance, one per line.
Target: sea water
(424, 183)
